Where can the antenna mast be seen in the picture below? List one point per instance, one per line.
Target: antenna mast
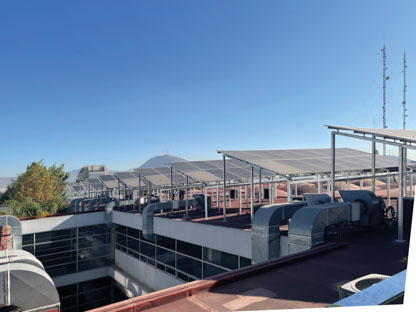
(404, 91)
(385, 78)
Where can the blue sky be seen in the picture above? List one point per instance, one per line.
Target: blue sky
(116, 82)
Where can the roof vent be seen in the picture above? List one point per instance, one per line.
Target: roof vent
(360, 284)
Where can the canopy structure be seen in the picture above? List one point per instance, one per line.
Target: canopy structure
(209, 171)
(161, 176)
(110, 181)
(402, 139)
(309, 161)
(130, 180)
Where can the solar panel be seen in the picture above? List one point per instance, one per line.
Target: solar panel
(160, 176)
(310, 161)
(212, 170)
(110, 181)
(129, 179)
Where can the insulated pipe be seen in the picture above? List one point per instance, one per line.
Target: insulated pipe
(224, 190)
(333, 166)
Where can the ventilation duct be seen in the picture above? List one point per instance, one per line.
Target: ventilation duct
(25, 284)
(307, 227)
(266, 229)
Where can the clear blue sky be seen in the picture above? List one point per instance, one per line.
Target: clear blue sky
(116, 82)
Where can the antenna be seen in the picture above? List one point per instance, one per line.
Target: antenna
(404, 90)
(385, 78)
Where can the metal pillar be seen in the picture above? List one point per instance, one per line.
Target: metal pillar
(405, 171)
(273, 192)
(172, 197)
(218, 199)
(239, 200)
(319, 185)
(373, 166)
(400, 202)
(260, 188)
(333, 166)
(149, 192)
(252, 193)
(388, 191)
(362, 184)
(270, 193)
(186, 194)
(411, 185)
(206, 203)
(118, 187)
(246, 195)
(289, 191)
(224, 189)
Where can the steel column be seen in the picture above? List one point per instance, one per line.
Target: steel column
(171, 184)
(400, 202)
(186, 194)
(224, 189)
(239, 200)
(333, 166)
(373, 165)
(252, 192)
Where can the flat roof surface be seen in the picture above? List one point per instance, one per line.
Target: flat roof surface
(207, 171)
(310, 161)
(395, 134)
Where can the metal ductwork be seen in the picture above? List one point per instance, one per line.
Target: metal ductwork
(149, 210)
(15, 230)
(307, 227)
(316, 198)
(266, 229)
(24, 283)
(372, 206)
(110, 204)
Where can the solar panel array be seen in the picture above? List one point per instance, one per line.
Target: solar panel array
(160, 176)
(212, 170)
(75, 187)
(129, 179)
(310, 161)
(110, 181)
(95, 184)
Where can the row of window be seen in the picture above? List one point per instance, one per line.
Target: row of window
(183, 260)
(71, 250)
(89, 295)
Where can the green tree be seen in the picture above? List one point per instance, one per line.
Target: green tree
(38, 191)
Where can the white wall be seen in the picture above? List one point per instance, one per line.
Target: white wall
(147, 275)
(79, 277)
(231, 240)
(62, 222)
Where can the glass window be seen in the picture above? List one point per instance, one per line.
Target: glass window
(165, 256)
(244, 262)
(189, 265)
(27, 239)
(220, 258)
(210, 270)
(133, 244)
(189, 249)
(147, 249)
(121, 229)
(133, 232)
(121, 239)
(53, 236)
(165, 242)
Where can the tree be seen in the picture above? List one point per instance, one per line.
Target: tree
(38, 191)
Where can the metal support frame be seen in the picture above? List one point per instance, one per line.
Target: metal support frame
(252, 193)
(373, 165)
(172, 197)
(186, 194)
(402, 147)
(224, 189)
(260, 188)
(400, 203)
(333, 166)
(289, 190)
(239, 200)
(206, 202)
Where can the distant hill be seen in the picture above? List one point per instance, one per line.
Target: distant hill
(159, 161)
